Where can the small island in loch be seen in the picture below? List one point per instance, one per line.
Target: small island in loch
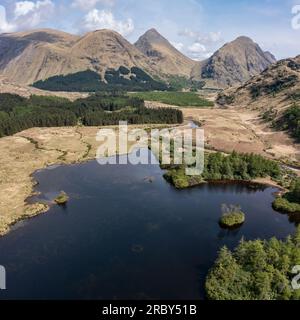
(232, 217)
(62, 198)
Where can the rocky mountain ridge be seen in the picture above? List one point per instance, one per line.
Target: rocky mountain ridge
(27, 57)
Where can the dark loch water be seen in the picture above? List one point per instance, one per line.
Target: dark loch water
(123, 237)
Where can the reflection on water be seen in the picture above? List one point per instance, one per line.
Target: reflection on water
(121, 237)
(294, 218)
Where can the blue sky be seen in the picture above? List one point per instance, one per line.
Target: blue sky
(196, 27)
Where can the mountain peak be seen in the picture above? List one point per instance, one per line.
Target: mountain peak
(240, 43)
(152, 30)
(163, 54)
(152, 36)
(244, 39)
(102, 33)
(236, 62)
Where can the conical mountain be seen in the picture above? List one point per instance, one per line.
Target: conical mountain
(164, 55)
(235, 63)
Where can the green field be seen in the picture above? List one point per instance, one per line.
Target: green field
(180, 99)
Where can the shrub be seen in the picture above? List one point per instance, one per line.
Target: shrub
(62, 198)
(280, 83)
(180, 180)
(224, 99)
(283, 205)
(289, 202)
(290, 121)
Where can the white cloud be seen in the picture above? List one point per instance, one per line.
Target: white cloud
(5, 26)
(29, 14)
(208, 38)
(197, 47)
(203, 43)
(103, 19)
(178, 45)
(24, 7)
(198, 51)
(188, 33)
(90, 4)
(26, 15)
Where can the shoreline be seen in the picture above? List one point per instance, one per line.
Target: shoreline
(36, 149)
(42, 208)
(269, 182)
(265, 182)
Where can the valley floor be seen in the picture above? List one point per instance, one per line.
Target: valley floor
(242, 130)
(24, 153)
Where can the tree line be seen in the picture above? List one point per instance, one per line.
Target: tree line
(220, 167)
(256, 270)
(239, 167)
(18, 113)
